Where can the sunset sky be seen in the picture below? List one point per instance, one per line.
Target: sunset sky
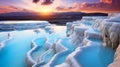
(60, 6)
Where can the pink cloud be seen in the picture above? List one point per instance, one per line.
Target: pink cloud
(102, 6)
(10, 8)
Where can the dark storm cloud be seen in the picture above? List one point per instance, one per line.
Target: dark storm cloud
(47, 2)
(36, 1)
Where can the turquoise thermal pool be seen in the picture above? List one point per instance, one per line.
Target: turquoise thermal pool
(96, 55)
(15, 50)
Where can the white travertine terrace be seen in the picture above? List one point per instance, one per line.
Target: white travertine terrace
(22, 25)
(22, 22)
(110, 32)
(80, 34)
(69, 28)
(29, 60)
(109, 26)
(117, 14)
(70, 60)
(60, 49)
(114, 37)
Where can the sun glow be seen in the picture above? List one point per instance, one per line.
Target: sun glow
(44, 10)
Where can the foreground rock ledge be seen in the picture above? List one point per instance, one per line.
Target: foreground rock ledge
(116, 62)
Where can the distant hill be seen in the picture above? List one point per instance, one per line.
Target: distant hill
(18, 14)
(62, 17)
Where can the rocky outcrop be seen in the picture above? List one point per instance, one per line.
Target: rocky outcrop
(116, 62)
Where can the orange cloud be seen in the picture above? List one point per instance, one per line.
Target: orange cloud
(106, 1)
